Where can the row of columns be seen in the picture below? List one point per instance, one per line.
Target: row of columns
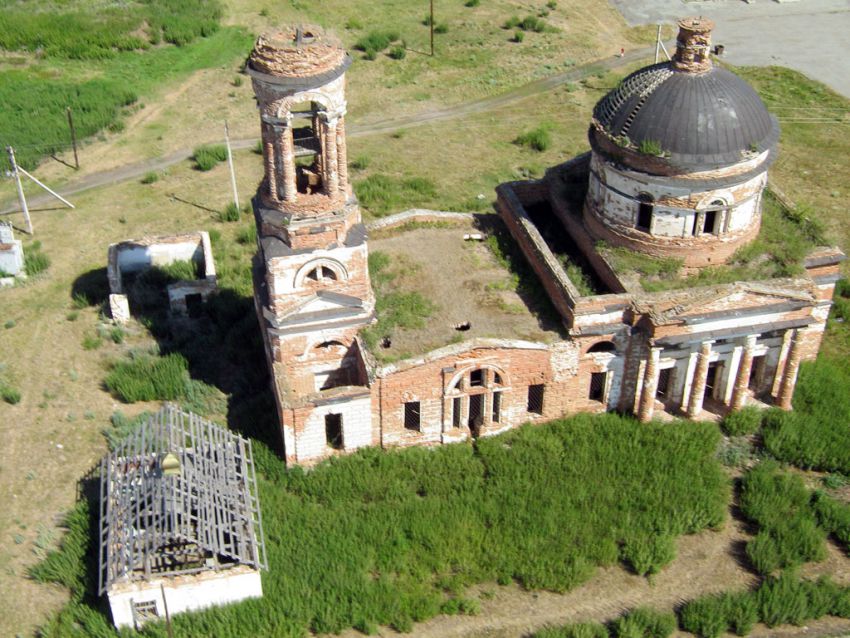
(279, 155)
(793, 356)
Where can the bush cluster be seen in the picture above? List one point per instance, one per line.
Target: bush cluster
(376, 41)
(809, 437)
(528, 23)
(642, 622)
(207, 156)
(147, 377)
(778, 600)
(779, 503)
(741, 422)
(538, 139)
(833, 516)
(35, 261)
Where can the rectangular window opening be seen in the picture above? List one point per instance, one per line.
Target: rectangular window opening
(333, 431)
(476, 413)
(476, 378)
(412, 415)
(535, 398)
(145, 610)
(644, 220)
(756, 372)
(597, 386)
(663, 390)
(709, 221)
(457, 405)
(497, 406)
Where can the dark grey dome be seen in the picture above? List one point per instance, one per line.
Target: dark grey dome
(700, 120)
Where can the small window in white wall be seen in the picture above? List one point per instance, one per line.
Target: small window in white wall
(333, 431)
(645, 210)
(144, 610)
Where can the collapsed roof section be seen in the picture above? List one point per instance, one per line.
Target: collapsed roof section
(178, 496)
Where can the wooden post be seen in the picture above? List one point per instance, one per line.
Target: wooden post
(73, 137)
(165, 602)
(657, 43)
(432, 28)
(21, 197)
(230, 165)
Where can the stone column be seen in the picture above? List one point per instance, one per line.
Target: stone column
(789, 376)
(650, 386)
(331, 176)
(342, 154)
(700, 377)
(317, 131)
(269, 159)
(742, 379)
(287, 161)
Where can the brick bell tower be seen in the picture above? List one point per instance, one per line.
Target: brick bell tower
(311, 280)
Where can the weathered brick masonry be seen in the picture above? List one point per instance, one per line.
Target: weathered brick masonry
(683, 183)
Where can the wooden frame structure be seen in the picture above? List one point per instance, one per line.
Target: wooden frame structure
(178, 496)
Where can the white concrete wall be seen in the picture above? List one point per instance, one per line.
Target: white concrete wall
(356, 428)
(12, 261)
(614, 197)
(135, 258)
(184, 593)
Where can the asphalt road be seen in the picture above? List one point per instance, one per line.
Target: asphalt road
(810, 36)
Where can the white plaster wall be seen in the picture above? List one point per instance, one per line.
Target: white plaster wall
(184, 593)
(614, 199)
(134, 258)
(282, 271)
(356, 427)
(12, 261)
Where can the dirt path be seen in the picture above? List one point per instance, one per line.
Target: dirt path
(138, 169)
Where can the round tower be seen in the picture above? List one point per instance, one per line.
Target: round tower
(298, 75)
(680, 152)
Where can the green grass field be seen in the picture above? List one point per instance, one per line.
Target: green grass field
(393, 538)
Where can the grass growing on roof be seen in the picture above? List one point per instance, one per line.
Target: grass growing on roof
(395, 537)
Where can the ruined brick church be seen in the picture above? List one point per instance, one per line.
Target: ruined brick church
(677, 168)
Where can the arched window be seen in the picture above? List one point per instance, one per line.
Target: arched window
(645, 209)
(322, 270)
(474, 399)
(602, 346)
(321, 273)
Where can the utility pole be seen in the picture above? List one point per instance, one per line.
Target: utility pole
(657, 42)
(432, 28)
(21, 198)
(73, 137)
(230, 165)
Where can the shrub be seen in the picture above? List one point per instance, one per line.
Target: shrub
(247, 235)
(375, 41)
(472, 3)
(809, 437)
(552, 5)
(833, 516)
(538, 139)
(398, 53)
(779, 503)
(650, 147)
(741, 422)
(149, 378)
(361, 162)
(122, 427)
(533, 23)
(647, 554)
(92, 342)
(644, 623)
(441, 28)
(519, 36)
(577, 630)
(9, 394)
(230, 213)
(511, 23)
(206, 157)
(35, 261)
(150, 177)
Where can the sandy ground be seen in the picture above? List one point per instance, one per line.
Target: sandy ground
(807, 35)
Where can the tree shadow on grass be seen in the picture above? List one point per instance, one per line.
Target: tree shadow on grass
(223, 346)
